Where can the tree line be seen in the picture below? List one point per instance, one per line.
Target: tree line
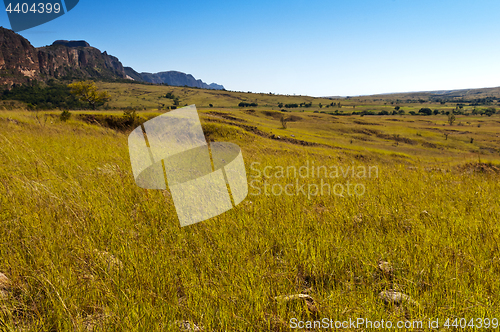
(49, 96)
(243, 104)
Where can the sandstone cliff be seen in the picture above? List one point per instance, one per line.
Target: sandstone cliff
(21, 62)
(18, 59)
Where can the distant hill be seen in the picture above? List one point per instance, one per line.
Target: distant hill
(20, 62)
(457, 95)
(173, 78)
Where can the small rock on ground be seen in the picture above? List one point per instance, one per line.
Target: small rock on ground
(311, 304)
(392, 297)
(385, 267)
(186, 326)
(111, 261)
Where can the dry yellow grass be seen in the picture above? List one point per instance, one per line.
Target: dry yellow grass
(84, 248)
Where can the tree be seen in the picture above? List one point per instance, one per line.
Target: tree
(436, 112)
(88, 92)
(243, 104)
(490, 111)
(397, 108)
(451, 118)
(284, 121)
(425, 111)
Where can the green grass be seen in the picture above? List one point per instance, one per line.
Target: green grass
(86, 249)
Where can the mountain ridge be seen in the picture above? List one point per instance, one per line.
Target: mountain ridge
(177, 78)
(21, 62)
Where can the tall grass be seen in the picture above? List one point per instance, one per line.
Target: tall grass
(86, 249)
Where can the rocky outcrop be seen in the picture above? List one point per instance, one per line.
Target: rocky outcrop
(20, 62)
(60, 61)
(132, 74)
(18, 59)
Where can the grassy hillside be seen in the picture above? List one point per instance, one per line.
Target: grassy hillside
(449, 95)
(150, 97)
(84, 249)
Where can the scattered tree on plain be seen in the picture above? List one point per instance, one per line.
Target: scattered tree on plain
(283, 121)
(490, 111)
(451, 118)
(88, 92)
(425, 111)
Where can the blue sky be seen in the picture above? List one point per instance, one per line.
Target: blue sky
(308, 47)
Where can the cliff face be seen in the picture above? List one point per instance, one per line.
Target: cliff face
(59, 61)
(20, 61)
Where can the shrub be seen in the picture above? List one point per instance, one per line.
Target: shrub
(130, 117)
(65, 115)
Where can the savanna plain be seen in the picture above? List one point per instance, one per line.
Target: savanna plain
(83, 248)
